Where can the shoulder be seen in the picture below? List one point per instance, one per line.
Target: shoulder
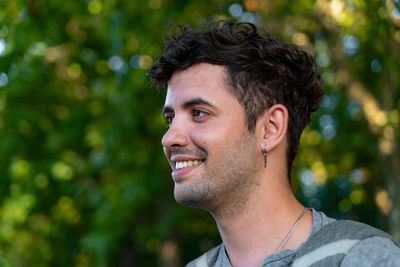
(373, 251)
(346, 229)
(345, 242)
(207, 259)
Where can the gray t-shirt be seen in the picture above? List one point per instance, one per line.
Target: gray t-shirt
(372, 251)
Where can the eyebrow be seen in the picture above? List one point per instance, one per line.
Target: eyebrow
(188, 104)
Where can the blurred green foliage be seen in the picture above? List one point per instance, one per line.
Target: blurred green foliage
(83, 180)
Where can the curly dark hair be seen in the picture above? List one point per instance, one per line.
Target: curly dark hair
(261, 71)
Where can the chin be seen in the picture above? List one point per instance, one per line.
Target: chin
(191, 199)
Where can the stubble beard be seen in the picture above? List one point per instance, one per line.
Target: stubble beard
(224, 187)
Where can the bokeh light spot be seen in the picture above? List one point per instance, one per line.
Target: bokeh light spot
(248, 17)
(251, 5)
(325, 120)
(308, 185)
(155, 4)
(329, 102)
(322, 59)
(350, 45)
(337, 9)
(327, 125)
(311, 138)
(16, 210)
(300, 39)
(3, 79)
(62, 171)
(320, 173)
(354, 110)
(169, 252)
(235, 10)
(357, 176)
(380, 118)
(386, 146)
(37, 49)
(74, 70)
(65, 209)
(357, 196)
(93, 138)
(134, 61)
(396, 13)
(115, 63)
(20, 169)
(95, 7)
(2, 47)
(383, 201)
(145, 62)
(376, 66)
(52, 54)
(329, 132)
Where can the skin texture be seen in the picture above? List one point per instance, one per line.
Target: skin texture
(250, 203)
(214, 133)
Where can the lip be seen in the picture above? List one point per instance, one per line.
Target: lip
(184, 158)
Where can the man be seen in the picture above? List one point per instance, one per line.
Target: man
(236, 104)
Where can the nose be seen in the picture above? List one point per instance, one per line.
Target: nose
(176, 136)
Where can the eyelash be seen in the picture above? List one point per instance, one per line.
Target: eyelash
(168, 119)
(196, 114)
(199, 111)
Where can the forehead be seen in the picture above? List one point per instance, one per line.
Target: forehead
(202, 80)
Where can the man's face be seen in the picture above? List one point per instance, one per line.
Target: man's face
(211, 152)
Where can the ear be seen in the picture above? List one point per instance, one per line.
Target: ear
(273, 127)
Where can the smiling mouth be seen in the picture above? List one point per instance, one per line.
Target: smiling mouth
(187, 163)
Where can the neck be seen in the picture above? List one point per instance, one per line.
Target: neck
(257, 231)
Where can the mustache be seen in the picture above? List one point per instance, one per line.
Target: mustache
(188, 152)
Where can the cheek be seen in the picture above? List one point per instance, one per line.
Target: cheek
(210, 137)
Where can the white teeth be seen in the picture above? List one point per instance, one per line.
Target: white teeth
(184, 164)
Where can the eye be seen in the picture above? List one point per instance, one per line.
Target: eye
(199, 114)
(169, 118)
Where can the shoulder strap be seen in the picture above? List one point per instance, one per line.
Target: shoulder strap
(332, 242)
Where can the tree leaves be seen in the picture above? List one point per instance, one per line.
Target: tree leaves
(83, 178)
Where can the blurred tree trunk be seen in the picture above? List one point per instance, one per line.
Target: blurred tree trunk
(391, 161)
(388, 132)
(392, 179)
(31, 7)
